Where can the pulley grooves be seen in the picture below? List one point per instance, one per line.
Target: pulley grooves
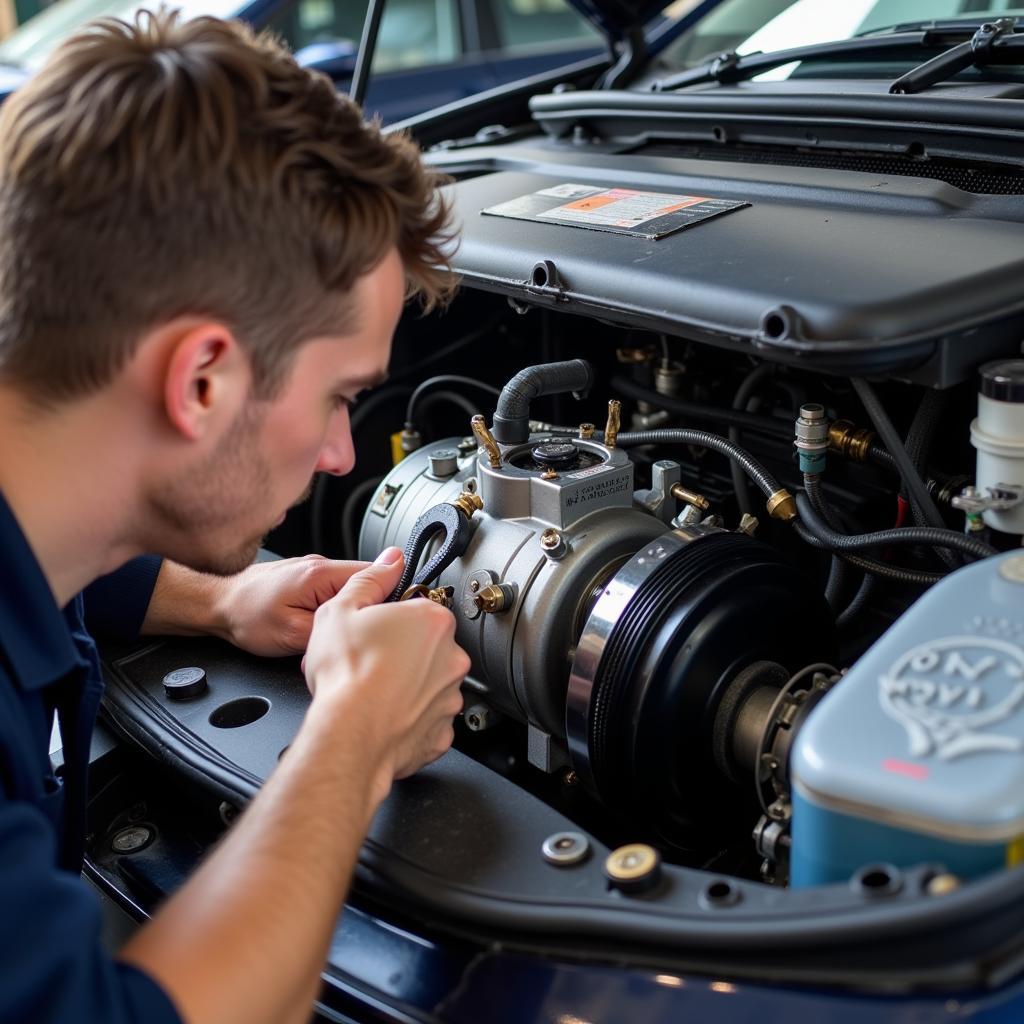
(667, 583)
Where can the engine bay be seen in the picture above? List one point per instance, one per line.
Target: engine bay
(728, 511)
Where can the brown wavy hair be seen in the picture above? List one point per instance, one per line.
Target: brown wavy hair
(165, 168)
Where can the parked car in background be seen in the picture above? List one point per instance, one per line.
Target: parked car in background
(744, 733)
(429, 52)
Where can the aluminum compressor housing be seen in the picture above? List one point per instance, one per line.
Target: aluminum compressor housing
(551, 537)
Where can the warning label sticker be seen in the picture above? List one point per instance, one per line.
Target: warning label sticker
(619, 210)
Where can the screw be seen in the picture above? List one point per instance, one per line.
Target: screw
(942, 885)
(549, 539)
(570, 778)
(479, 717)
(474, 585)
(563, 849)
(131, 839)
(549, 474)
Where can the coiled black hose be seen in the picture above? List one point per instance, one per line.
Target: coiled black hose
(873, 567)
(929, 536)
(891, 572)
(680, 435)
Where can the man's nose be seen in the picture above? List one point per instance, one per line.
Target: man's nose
(338, 454)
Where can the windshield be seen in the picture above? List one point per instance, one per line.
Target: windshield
(30, 45)
(747, 26)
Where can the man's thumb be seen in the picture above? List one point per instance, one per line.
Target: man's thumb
(374, 584)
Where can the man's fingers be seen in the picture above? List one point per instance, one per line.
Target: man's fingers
(374, 583)
(328, 576)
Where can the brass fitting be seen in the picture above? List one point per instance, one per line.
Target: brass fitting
(680, 493)
(491, 599)
(782, 505)
(611, 430)
(849, 440)
(486, 439)
(468, 503)
(439, 595)
(587, 431)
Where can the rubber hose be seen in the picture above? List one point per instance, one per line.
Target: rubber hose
(512, 416)
(434, 382)
(918, 445)
(695, 410)
(891, 572)
(915, 485)
(428, 401)
(743, 394)
(678, 435)
(858, 603)
(902, 536)
(820, 504)
(838, 570)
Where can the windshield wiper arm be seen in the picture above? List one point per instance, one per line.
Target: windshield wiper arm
(992, 43)
(734, 67)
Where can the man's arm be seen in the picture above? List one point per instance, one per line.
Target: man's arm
(245, 939)
(267, 609)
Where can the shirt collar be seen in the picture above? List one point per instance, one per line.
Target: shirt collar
(34, 634)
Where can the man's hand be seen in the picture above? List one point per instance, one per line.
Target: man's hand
(394, 668)
(266, 609)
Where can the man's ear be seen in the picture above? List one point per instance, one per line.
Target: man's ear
(207, 379)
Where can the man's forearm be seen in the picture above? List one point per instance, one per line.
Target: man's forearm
(244, 940)
(185, 603)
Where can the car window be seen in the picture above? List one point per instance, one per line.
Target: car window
(30, 44)
(750, 25)
(527, 25)
(413, 33)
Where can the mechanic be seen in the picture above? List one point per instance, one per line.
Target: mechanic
(203, 256)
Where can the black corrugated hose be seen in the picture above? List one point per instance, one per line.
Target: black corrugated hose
(928, 536)
(872, 567)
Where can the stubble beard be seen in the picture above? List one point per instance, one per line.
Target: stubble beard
(194, 512)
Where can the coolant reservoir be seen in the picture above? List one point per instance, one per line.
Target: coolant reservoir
(998, 434)
(917, 754)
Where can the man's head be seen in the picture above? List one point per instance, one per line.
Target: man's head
(186, 213)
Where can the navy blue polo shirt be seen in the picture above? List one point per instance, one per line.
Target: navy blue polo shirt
(53, 967)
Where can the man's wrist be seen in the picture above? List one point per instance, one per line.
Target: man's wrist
(346, 718)
(189, 603)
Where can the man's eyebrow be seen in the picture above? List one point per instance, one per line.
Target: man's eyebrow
(364, 383)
